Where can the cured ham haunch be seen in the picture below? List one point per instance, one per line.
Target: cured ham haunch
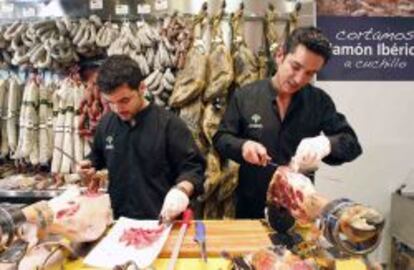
(141, 237)
(220, 62)
(297, 194)
(191, 80)
(271, 28)
(81, 217)
(245, 62)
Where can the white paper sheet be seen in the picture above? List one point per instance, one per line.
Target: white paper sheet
(110, 252)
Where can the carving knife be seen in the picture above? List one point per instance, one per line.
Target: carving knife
(187, 217)
(93, 185)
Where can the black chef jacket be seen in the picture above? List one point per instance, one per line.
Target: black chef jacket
(145, 160)
(252, 114)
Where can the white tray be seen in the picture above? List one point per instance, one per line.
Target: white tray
(110, 252)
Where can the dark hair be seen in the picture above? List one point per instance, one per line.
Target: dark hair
(116, 71)
(312, 38)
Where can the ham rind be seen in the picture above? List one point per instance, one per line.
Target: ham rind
(81, 217)
(67, 212)
(296, 193)
(141, 237)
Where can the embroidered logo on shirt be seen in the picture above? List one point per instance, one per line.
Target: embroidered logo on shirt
(256, 118)
(109, 143)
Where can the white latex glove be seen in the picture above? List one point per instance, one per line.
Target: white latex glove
(175, 202)
(310, 152)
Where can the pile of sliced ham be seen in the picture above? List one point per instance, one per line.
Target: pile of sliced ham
(141, 237)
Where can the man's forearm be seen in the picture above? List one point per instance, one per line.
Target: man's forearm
(229, 146)
(344, 148)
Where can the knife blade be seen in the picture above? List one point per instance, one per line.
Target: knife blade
(187, 217)
(165, 221)
(66, 155)
(272, 164)
(294, 166)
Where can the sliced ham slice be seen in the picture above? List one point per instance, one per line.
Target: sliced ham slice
(141, 237)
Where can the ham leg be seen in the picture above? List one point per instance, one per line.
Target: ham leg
(295, 192)
(79, 217)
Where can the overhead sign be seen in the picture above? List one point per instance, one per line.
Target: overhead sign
(121, 9)
(369, 48)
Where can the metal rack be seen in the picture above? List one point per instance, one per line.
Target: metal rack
(402, 231)
(26, 196)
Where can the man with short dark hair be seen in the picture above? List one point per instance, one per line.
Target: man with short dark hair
(154, 165)
(272, 120)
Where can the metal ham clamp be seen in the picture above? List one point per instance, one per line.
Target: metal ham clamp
(12, 247)
(10, 220)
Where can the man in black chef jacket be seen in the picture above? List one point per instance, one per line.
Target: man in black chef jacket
(153, 162)
(273, 120)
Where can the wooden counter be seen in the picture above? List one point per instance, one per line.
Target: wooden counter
(234, 236)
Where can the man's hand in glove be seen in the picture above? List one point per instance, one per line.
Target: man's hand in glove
(255, 153)
(175, 202)
(85, 169)
(310, 152)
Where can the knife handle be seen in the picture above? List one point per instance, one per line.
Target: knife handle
(200, 231)
(187, 217)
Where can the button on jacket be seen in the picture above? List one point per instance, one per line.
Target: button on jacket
(252, 114)
(145, 160)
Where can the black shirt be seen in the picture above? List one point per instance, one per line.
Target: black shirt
(252, 114)
(145, 160)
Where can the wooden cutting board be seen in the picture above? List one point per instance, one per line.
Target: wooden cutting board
(234, 236)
